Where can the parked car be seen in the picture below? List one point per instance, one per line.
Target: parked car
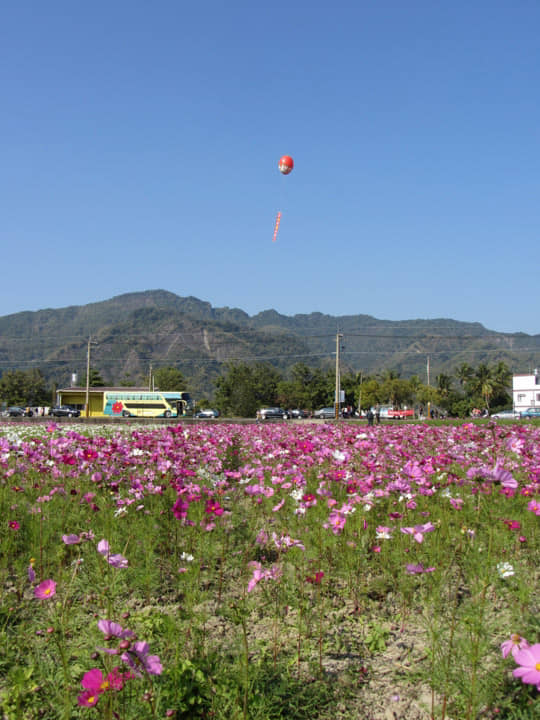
(15, 411)
(298, 414)
(507, 415)
(207, 413)
(532, 412)
(325, 413)
(64, 411)
(271, 413)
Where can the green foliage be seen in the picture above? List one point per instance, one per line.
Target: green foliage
(307, 388)
(376, 638)
(24, 387)
(244, 388)
(169, 379)
(95, 379)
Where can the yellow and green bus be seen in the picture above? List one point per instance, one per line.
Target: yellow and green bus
(149, 404)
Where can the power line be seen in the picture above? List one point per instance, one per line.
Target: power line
(244, 358)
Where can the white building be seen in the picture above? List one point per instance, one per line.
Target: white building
(526, 390)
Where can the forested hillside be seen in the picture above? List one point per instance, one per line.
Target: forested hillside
(157, 328)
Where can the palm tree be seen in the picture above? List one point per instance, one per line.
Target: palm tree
(464, 374)
(488, 388)
(444, 384)
(502, 375)
(482, 383)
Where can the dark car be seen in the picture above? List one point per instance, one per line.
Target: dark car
(64, 411)
(325, 413)
(532, 412)
(207, 413)
(271, 413)
(298, 414)
(16, 411)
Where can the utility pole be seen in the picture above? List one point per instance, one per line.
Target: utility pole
(360, 396)
(87, 404)
(429, 384)
(150, 378)
(338, 378)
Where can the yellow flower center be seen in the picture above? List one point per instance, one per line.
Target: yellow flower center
(47, 591)
(91, 698)
(516, 639)
(537, 666)
(104, 685)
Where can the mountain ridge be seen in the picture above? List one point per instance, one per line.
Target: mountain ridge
(157, 327)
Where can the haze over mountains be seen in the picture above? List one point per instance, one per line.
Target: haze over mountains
(158, 328)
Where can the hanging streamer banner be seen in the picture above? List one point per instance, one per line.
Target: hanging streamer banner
(276, 227)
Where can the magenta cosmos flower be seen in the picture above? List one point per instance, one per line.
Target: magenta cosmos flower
(45, 590)
(529, 661)
(94, 684)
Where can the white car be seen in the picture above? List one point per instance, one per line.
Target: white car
(506, 415)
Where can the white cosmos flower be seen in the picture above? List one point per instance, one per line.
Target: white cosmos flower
(186, 556)
(505, 569)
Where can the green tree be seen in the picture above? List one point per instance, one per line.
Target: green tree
(24, 387)
(95, 379)
(395, 390)
(370, 392)
(464, 374)
(243, 389)
(307, 388)
(168, 379)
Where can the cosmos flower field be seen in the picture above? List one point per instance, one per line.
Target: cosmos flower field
(269, 571)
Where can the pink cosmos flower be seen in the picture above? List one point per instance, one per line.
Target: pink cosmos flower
(278, 507)
(262, 538)
(116, 679)
(45, 590)
(336, 522)
(180, 509)
(529, 661)
(503, 476)
(138, 658)
(418, 531)
(88, 698)
(14, 525)
(212, 507)
(103, 547)
(274, 573)
(418, 569)
(93, 680)
(514, 645)
(112, 629)
(116, 560)
(534, 506)
(258, 575)
(95, 683)
(71, 539)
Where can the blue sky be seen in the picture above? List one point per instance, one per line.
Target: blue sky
(139, 145)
